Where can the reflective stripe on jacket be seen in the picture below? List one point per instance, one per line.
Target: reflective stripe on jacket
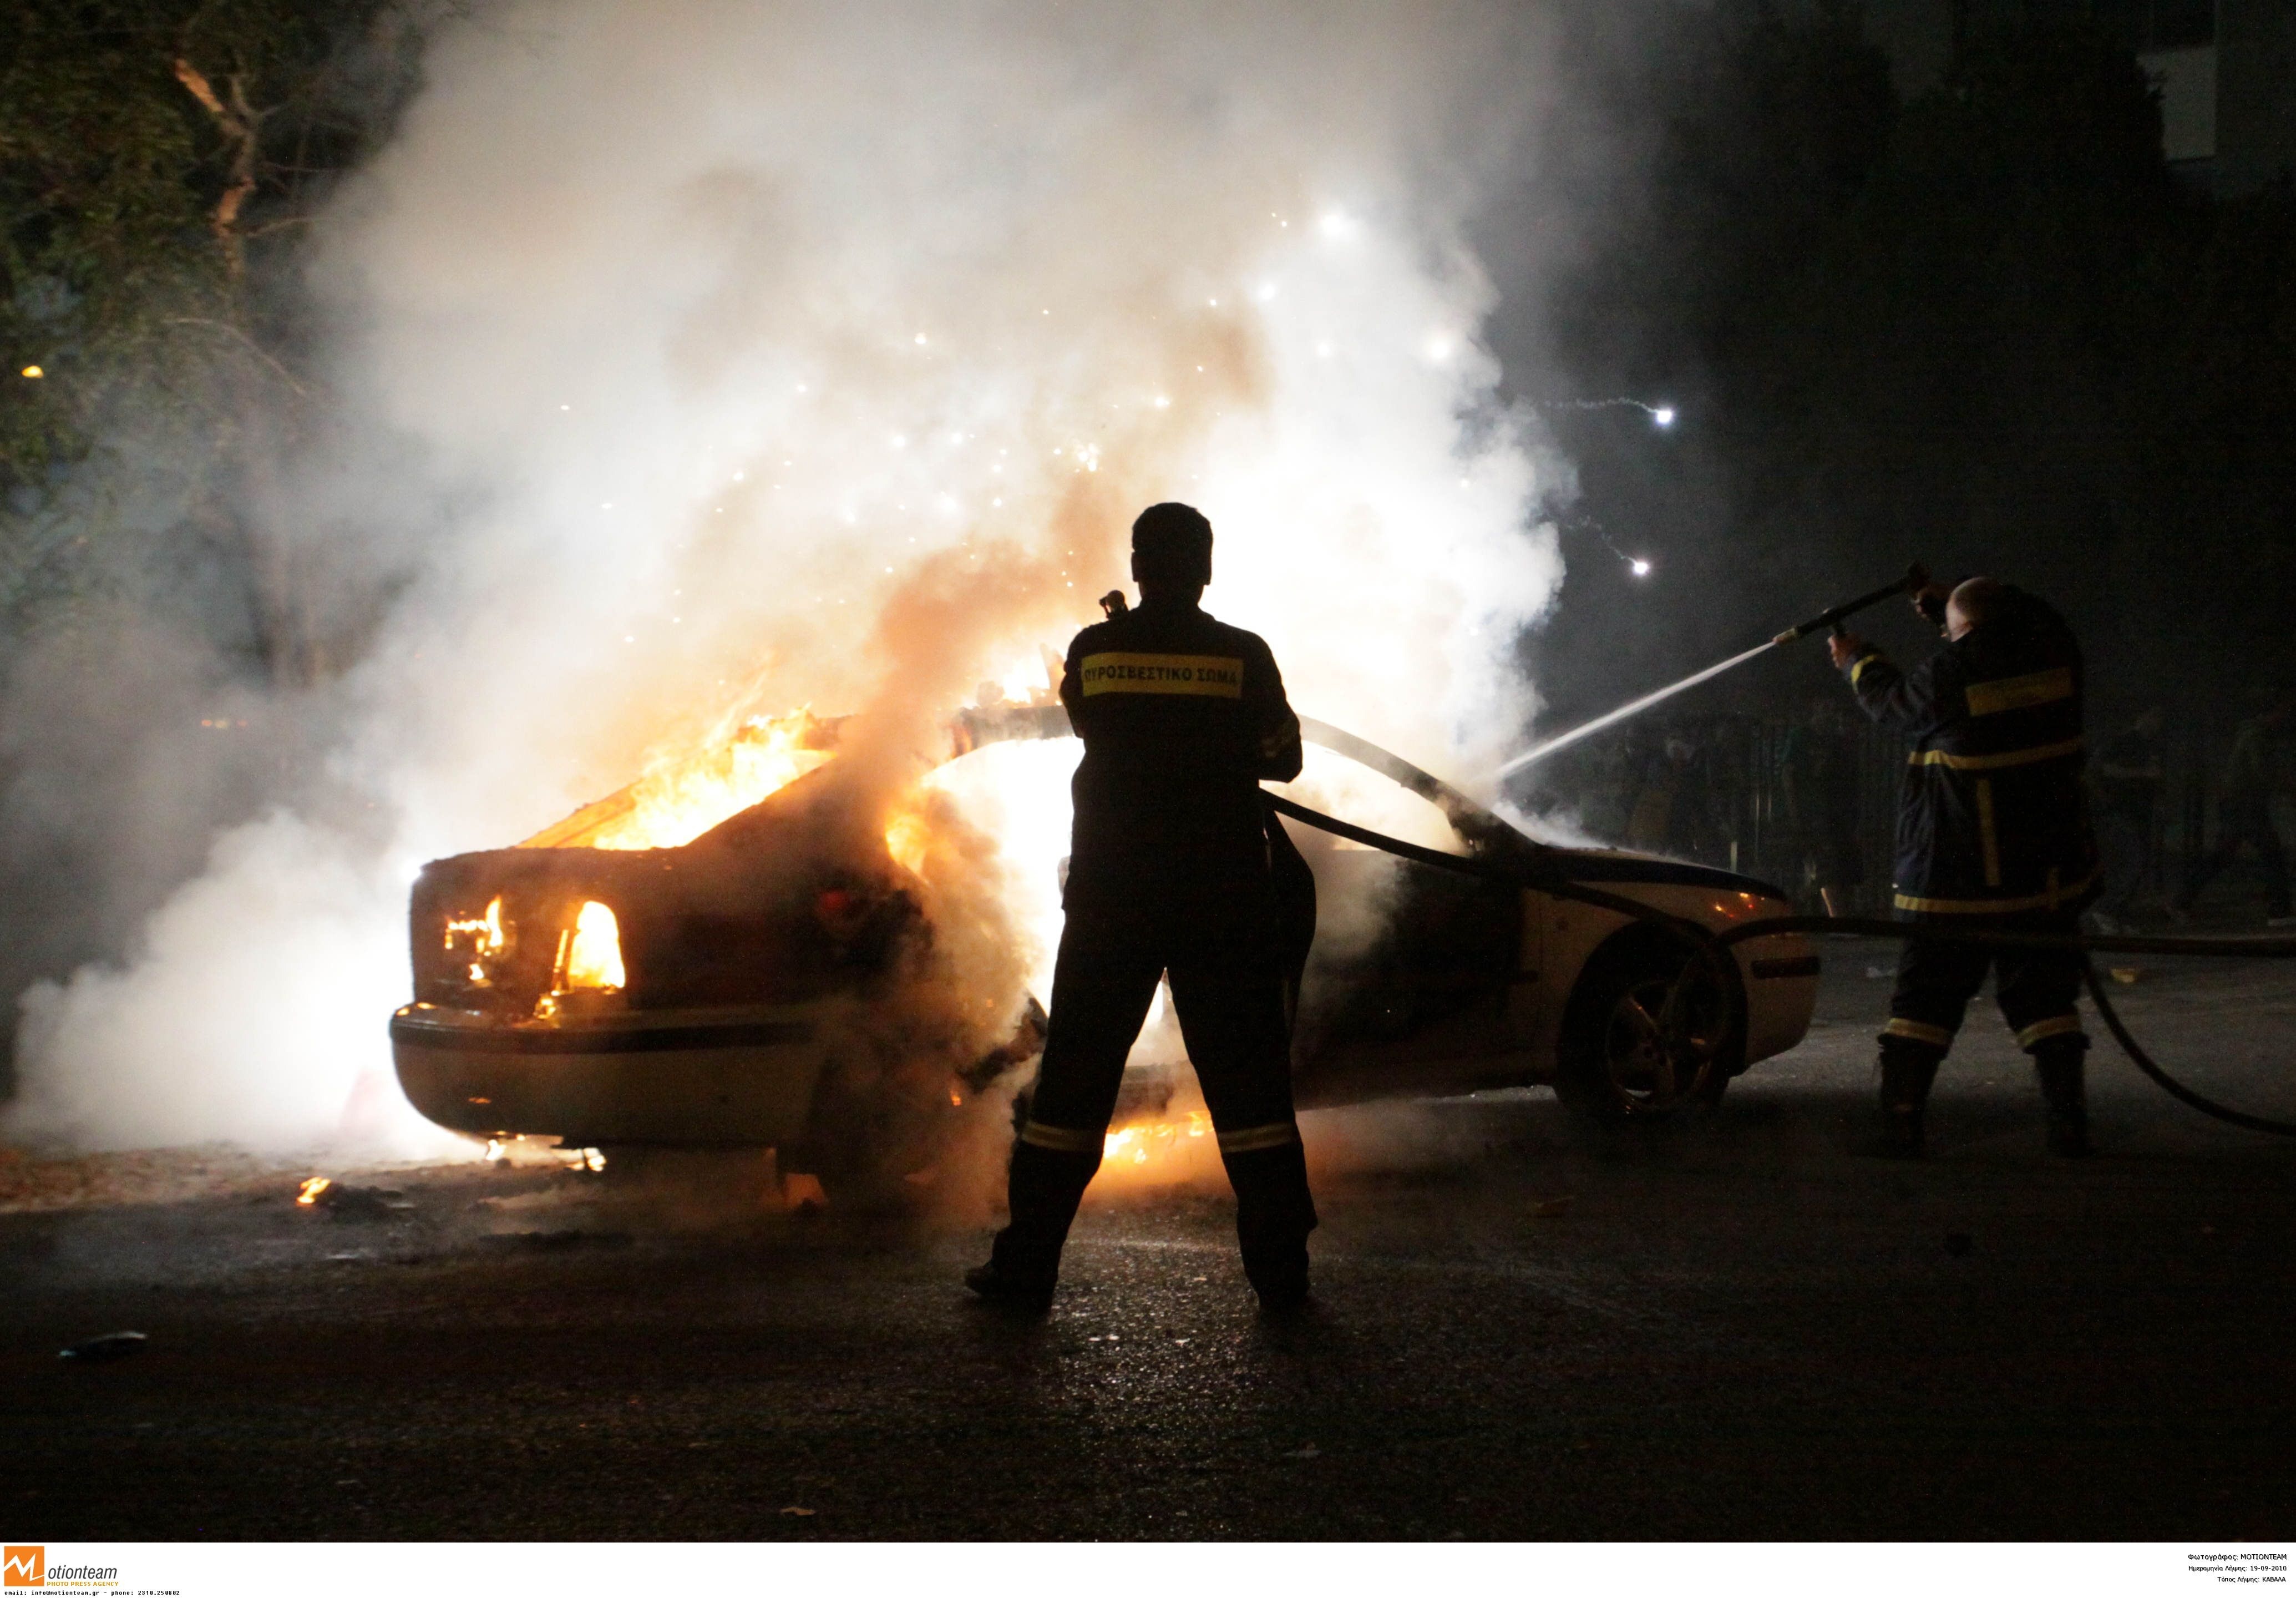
(1992, 818)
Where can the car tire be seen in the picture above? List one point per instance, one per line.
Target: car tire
(871, 1130)
(1616, 1065)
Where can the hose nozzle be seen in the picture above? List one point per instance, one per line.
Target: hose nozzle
(1913, 581)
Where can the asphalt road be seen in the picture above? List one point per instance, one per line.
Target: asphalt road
(1733, 1329)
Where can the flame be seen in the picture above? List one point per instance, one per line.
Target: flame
(908, 839)
(487, 930)
(593, 959)
(1143, 1142)
(684, 796)
(308, 1193)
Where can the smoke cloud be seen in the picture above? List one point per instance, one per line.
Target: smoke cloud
(697, 356)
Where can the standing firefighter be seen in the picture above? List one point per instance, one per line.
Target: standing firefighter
(1168, 876)
(1992, 835)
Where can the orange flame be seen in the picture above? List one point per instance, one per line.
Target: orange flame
(684, 796)
(485, 931)
(593, 959)
(308, 1193)
(908, 839)
(1155, 1142)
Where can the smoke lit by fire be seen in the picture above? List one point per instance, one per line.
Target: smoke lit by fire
(720, 360)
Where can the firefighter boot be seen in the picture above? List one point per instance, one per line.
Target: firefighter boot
(2057, 1061)
(1274, 1215)
(1047, 1185)
(1908, 1069)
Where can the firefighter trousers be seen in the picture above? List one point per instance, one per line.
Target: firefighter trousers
(2035, 987)
(1227, 994)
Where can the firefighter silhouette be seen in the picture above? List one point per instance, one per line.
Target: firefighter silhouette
(1170, 877)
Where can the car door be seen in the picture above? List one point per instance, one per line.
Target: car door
(1414, 983)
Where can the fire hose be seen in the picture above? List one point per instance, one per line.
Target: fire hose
(1528, 865)
(1505, 855)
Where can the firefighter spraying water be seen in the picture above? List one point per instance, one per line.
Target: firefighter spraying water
(1992, 833)
(1995, 858)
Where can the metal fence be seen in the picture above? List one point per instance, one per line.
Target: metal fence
(1735, 775)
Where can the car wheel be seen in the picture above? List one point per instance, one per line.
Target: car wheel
(871, 1128)
(1646, 1036)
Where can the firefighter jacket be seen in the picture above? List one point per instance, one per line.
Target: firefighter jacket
(1181, 717)
(1992, 819)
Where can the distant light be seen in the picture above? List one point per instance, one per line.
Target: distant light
(1336, 225)
(1640, 568)
(1663, 416)
(34, 372)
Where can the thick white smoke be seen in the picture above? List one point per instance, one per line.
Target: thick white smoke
(824, 355)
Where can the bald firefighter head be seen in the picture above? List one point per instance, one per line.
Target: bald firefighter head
(1972, 604)
(1171, 553)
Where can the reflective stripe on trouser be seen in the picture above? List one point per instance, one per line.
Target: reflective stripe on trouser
(2035, 987)
(1063, 1139)
(2053, 1027)
(1247, 1139)
(1227, 994)
(1918, 1032)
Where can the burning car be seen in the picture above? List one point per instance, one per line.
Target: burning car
(735, 990)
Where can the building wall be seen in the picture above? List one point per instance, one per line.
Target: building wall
(2226, 71)
(2256, 94)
